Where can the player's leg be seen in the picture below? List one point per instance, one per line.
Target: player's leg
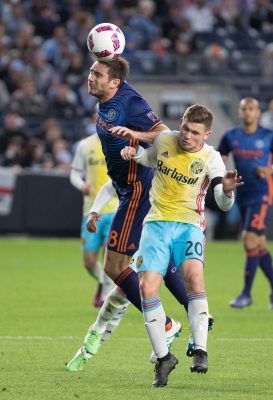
(105, 226)
(152, 264)
(265, 261)
(107, 321)
(254, 226)
(188, 250)
(90, 249)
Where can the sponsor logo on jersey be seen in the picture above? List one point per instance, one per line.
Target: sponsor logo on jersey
(92, 161)
(152, 116)
(196, 167)
(165, 154)
(259, 144)
(111, 114)
(175, 174)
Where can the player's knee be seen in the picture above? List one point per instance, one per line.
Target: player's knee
(89, 261)
(251, 241)
(146, 288)
(193, 281)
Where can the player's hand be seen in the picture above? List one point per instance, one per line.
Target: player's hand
(264, 172)
(93, 217)
(128, 152)
(231, 180)
(86, 188)
(123, 132)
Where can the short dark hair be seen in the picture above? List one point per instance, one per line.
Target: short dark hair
(118, 69)
(199, 115)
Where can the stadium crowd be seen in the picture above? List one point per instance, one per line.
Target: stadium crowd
(44, 105)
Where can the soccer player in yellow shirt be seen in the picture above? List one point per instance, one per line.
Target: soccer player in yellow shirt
(173, 229)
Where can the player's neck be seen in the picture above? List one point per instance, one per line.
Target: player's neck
(249, 129)
(107, 96)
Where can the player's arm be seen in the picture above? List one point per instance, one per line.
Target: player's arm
(223, 183)
(146, 137)
(224, 148)
(146, 157)
(104, 195)
(77, 172)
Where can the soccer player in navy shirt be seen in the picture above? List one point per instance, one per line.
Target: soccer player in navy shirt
(252, 150)
(121, 105)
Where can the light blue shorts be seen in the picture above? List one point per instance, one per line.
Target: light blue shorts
(163, 241)
(93, 241)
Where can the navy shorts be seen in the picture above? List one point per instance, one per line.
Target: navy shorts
(127, 223)
(255, 217)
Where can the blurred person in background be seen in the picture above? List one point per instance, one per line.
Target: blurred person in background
(61, 155)
(88, 174)
(266, 119)
(27, 102)
(13, 126)
(42, 73)
(252, 150)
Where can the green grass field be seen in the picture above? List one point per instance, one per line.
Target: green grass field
(46, 309)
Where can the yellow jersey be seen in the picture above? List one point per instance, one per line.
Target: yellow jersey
(89, 161)
(181, 180)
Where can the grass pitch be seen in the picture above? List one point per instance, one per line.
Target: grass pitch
(45, 304)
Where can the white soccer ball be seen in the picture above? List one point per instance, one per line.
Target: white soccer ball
(106, 42)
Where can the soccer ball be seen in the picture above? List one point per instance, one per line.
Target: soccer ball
(106, 41)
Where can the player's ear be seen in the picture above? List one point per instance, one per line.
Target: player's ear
(207, 134)
(115, 83)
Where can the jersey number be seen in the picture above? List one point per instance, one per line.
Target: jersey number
(198, 248)
(113, 239)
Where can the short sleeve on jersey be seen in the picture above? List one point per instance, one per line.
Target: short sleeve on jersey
(224, 147)
(139, 114)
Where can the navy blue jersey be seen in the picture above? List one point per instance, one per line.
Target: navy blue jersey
(126, 108)
(250, 151)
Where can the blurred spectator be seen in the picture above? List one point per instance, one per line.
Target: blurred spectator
(27, 102)
(266, 119)
(79, 25)
(46, 21)
(58, 48)
(105, 11)
(74, 71)
(52, 132)
(216, 58)
(14, 155)
(87, 102)
(16, 73)
(42, 73)
(266, 61)
(4, 96)
(200, 16)
(143, 25)
(35, 153)
(13, 16)
(227, 14)
(25, 41)
(261, 18)
(61, 155)
(13, 126)
(63, 103)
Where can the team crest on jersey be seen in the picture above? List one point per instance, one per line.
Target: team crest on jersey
(196, 167)
(139, 261)
(259, 144)
(111, 114)
(152, 116)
